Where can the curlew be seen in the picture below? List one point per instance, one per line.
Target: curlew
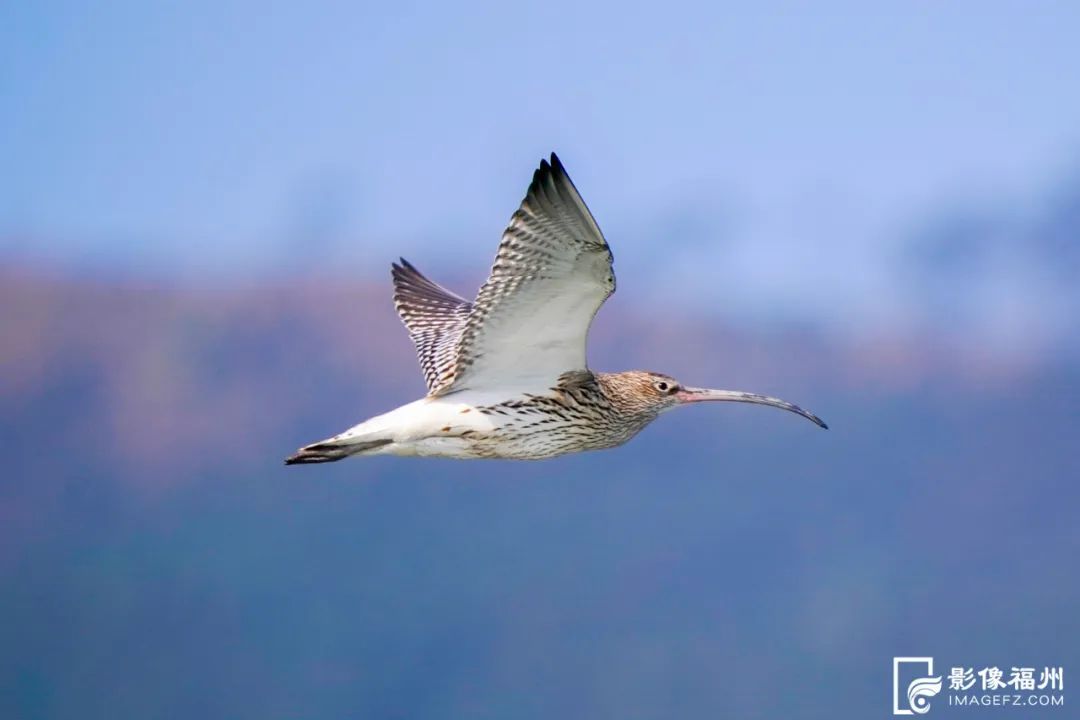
(506, 374)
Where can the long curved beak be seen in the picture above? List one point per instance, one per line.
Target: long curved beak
(691, 395)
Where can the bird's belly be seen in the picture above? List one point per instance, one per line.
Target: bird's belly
(490, 447)
(446, 447)
(517, 443)
(530, 427)
(505, 442)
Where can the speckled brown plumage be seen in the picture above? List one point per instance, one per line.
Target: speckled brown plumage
(583, 411)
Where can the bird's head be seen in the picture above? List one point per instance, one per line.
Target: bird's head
(653, 393)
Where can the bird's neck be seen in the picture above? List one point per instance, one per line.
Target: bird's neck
(622, 391)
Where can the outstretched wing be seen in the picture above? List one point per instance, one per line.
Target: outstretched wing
(435, 319)
(552, 273)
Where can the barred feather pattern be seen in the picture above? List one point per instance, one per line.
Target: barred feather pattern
(434, 317)
(584, 411)
(552, 272)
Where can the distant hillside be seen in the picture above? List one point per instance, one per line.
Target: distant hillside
(138, 371)
(155, 552)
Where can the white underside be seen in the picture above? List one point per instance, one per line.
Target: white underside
(430, 427)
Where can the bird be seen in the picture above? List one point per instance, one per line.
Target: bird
(506, 373)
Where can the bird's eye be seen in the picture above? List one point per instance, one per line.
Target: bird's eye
(662, 386)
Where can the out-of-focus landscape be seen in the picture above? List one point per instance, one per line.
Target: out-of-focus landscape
(872, 213)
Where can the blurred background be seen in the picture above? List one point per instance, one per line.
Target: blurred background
(872, 210)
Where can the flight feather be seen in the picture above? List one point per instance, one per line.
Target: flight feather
(530, 320)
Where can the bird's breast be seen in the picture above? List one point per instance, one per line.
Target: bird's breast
(552, 424)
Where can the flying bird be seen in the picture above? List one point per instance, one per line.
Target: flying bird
(506, 373)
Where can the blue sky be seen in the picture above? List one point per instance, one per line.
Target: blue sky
(792, 144)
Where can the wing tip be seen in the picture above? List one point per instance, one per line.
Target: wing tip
(551, 166)
(541, 172)
(402, 268)
(548, 178)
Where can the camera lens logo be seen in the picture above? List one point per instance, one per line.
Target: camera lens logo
(916, 675)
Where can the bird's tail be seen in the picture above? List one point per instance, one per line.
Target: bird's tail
(333, 450)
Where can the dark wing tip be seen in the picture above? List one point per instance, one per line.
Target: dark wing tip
(402, 269)
(540, 174)
(555, 168)
(547, 180)
(552, 167)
